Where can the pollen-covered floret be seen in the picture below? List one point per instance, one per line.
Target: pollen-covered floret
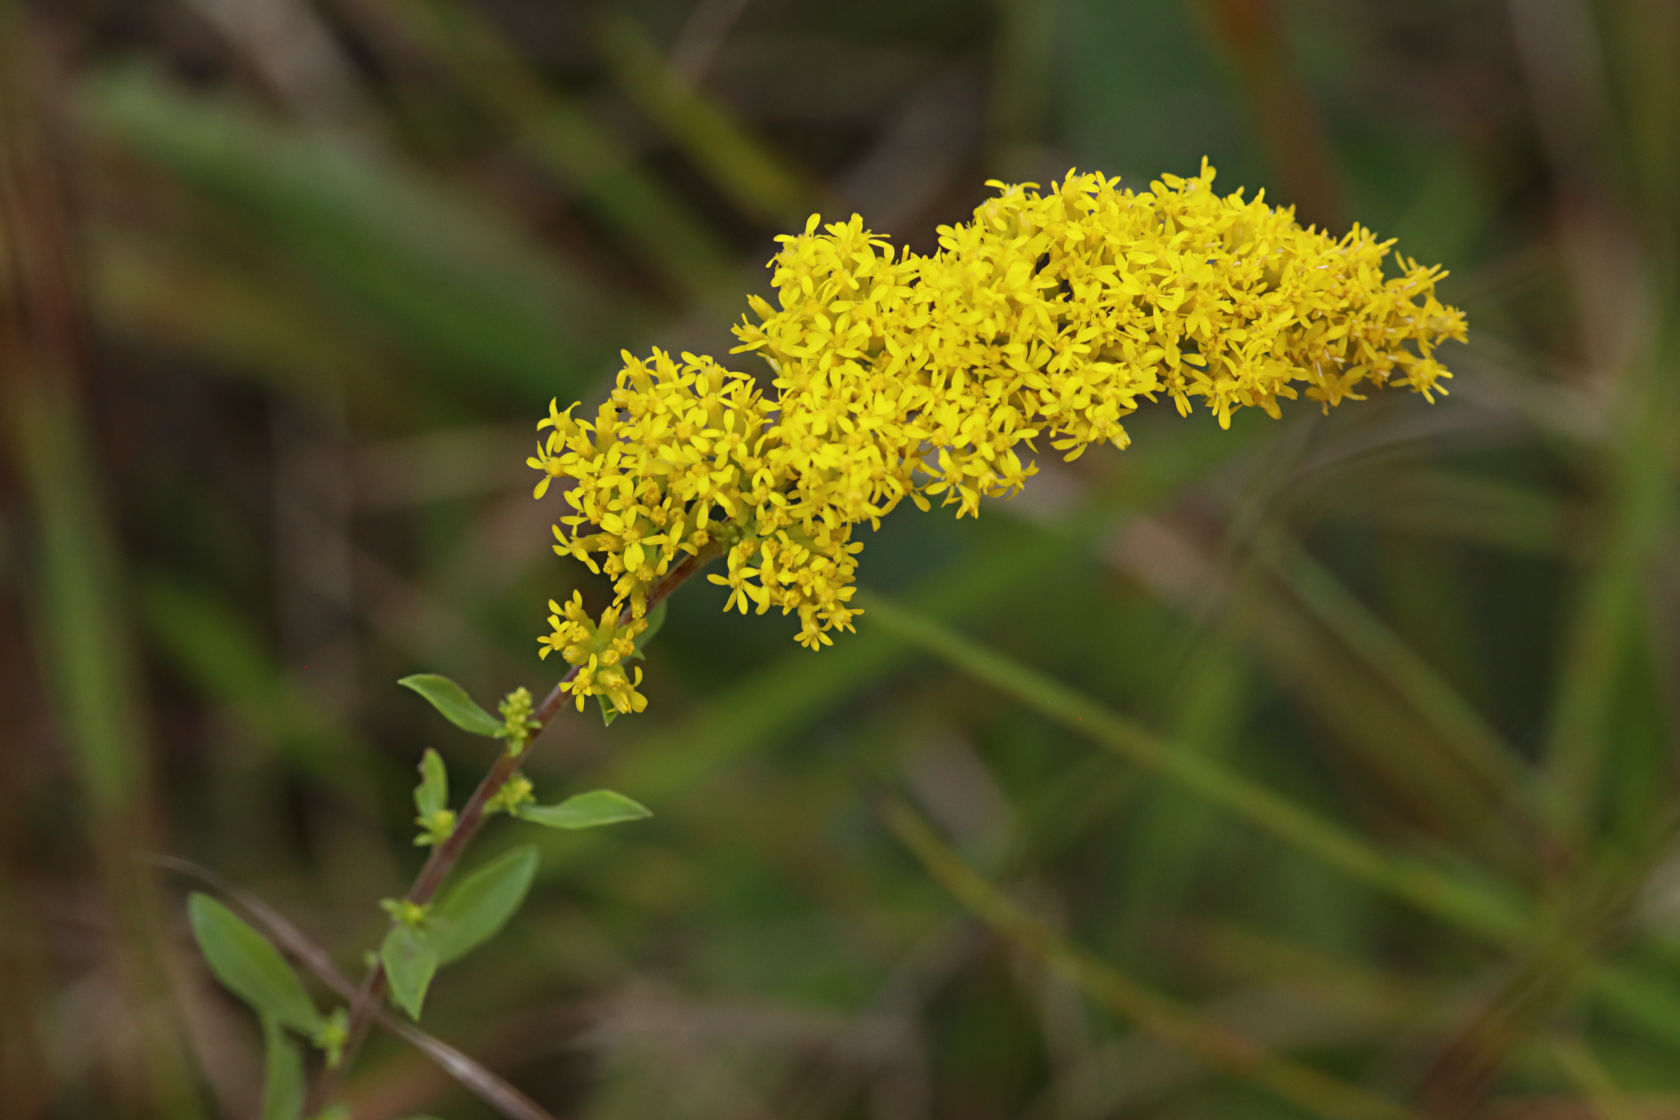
(1047, 317)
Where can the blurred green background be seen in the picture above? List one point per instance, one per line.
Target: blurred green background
(1324, 767)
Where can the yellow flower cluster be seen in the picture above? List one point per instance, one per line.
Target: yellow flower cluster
(898, 375)
(601, 651)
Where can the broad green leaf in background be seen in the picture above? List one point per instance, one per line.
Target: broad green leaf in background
(432, 794)
(249, 966)
(283, 1081)
(453, 703)
(481, 903)
(585, 810)
(410, 960)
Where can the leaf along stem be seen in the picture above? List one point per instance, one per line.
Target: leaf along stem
(446, 855)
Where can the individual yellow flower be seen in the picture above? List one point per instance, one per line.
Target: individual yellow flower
(1049, 316)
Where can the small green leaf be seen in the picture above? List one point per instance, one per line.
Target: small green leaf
(410, 961)
(655, 623)
(608, 712)
(248, 966)
(586, 810)
(452, 701)
(283, 1084)
(481, 903)
(431, 796)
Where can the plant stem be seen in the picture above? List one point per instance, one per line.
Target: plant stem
(446, 855)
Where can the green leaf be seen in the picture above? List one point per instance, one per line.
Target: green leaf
(283, 1083)
(248, 966)
(608, 712)
(586, 810)
(481, 903)
(410, 960)
(432, 794)
(452, 701)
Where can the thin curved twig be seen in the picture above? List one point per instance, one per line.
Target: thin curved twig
(470, 1074)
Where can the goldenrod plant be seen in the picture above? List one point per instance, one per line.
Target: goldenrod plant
(1047, 319)
(1039, 325)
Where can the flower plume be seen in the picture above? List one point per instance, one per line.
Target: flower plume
(1045, 320)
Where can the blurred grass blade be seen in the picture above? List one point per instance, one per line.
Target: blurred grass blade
(1534, 986)
(217, 650)
(1172, 823)
(1467, 906)
(1477, 907)
(79, 658)
(1583, 1068)
(234, 319)
(461, 289)
(1319, 1093)
(1469, 506)
(1478, 746)
(742, 168)
(88, 673)
(668, 236)
(1607, 637)
(1257, 41)
(1376, 732)
(1023, 80)
(90, 662)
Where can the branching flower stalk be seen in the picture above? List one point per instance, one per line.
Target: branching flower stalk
(1046, 319)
